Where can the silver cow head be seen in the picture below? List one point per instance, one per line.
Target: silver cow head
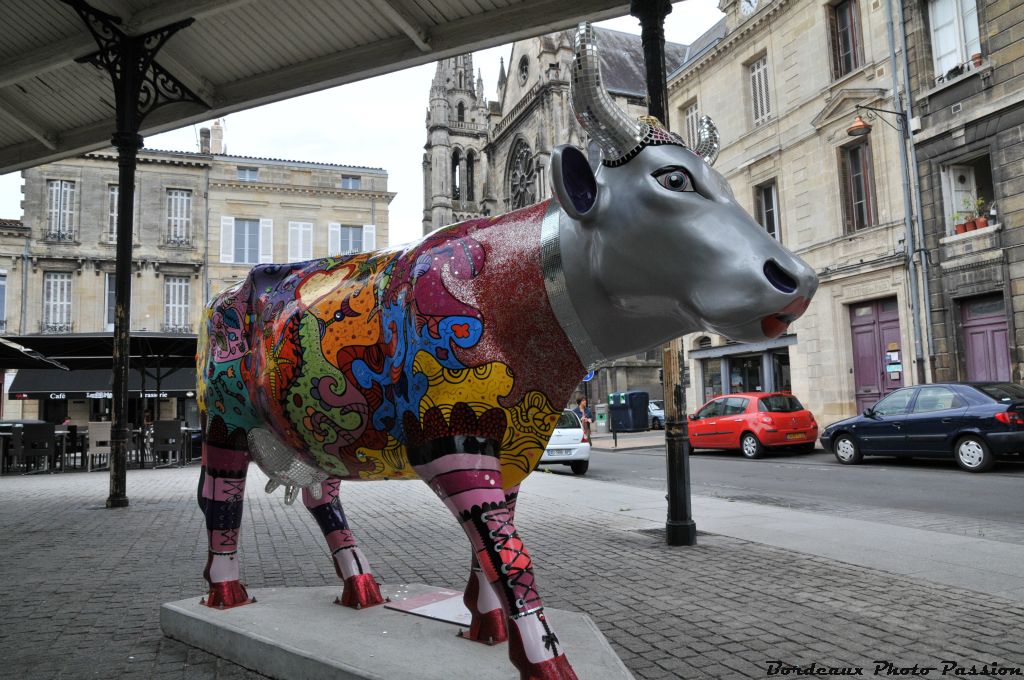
(653, 243)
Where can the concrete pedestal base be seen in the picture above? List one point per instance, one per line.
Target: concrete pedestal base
(299, 633)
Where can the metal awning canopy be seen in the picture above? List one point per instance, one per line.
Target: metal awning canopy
(236, 55)
(78, 351)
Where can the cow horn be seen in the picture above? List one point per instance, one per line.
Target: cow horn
(603, 120)
(707, 141)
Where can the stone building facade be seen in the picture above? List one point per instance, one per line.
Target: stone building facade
(783, 112)
(202, 220)
(487, 157)
(968, 110)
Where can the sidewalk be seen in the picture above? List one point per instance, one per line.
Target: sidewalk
(80, 586)
(604, 441)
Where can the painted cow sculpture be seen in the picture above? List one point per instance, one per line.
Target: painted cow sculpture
(450, 360)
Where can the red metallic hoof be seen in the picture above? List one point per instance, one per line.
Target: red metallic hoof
(488, 628)
(557, 668)
(360, 591)
(226, 595)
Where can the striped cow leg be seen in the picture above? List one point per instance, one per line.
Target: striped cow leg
(482, 600)
(222, 488)
(361, 590)
(470, 486)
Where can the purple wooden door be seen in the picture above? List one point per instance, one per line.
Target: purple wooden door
(875, 330)
(986, 339)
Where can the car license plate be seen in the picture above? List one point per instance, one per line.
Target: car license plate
(796, 435)
(557, 452)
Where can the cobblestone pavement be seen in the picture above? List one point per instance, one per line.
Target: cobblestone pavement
(81, 586)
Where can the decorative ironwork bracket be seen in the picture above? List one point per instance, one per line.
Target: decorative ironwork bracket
(140, 83)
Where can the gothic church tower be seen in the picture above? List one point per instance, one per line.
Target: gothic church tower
(453, 166)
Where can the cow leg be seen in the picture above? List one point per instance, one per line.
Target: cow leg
(222, 488)
(361, 590)
(482, 600)
(470, 486)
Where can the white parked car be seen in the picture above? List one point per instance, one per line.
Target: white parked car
(568, 445)
(655, 414)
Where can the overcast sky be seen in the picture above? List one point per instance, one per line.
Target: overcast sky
(377, 123)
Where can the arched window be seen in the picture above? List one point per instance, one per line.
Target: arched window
(462, 111)
(522, 176)
(456, 174)
(460, 83)
(704, 342)
(470, 174)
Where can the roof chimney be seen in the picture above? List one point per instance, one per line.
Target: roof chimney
(217, 138)
(204, 140)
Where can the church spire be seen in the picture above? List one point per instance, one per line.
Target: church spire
(501, 73)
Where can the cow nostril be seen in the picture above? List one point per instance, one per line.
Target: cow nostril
(779, 277)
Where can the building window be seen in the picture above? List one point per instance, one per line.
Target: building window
(300, 241)
(179, 216)
(3, 302)
(247, 174)
(113, 196)
(857, 186)
(759, 96)
(522, 176)
(524, 69)
(967, 191)
(711, 378)
(351, 182)
(456, 173)
(954, 26)
(470, 172)
(109, 298)
(767, 208)
(344, 240)
(691, 120)
(176, 294)
(56, 302)
(247, 241)
(60, 224)
(844, 27)
(461, 110)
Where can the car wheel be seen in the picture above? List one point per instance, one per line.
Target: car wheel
(580, 467)
(751, 446)
(972, 454)
(846, 450)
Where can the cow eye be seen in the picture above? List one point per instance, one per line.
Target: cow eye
(674, 179)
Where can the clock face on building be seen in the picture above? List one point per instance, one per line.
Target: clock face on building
(747, 7)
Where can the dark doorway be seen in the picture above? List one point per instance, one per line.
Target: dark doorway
(875, 332)
(986, 338)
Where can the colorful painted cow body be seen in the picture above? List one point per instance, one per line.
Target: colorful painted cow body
(451, 360)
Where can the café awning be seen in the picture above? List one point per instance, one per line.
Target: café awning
(34, 383)
(147, 350)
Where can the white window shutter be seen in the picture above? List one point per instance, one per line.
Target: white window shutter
(333, 239)
(307, 241)
(294, 241)
(266, 240)
(369, 237)
(227, 239)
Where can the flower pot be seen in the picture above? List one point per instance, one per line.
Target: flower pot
(971, 225)
(976, 59)
(960, 228)
(980, 222)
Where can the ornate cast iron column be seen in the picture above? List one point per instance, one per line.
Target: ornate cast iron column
(680, 528)
(140, 85)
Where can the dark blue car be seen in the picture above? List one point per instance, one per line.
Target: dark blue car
(972, 422)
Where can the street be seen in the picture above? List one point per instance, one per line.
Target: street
(927, 494)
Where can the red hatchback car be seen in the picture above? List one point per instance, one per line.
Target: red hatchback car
(753, 422)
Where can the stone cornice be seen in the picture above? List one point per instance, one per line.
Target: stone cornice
(730, 41)
(301, 190)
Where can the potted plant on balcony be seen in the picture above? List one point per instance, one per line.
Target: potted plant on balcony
(967, 213)
(959, 226)
(980, 218)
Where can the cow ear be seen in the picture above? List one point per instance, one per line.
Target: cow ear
(573, 181)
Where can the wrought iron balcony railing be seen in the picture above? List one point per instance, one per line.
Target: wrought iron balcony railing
(54, 327)
(184, 329)
(62, 235)
(177, 240)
